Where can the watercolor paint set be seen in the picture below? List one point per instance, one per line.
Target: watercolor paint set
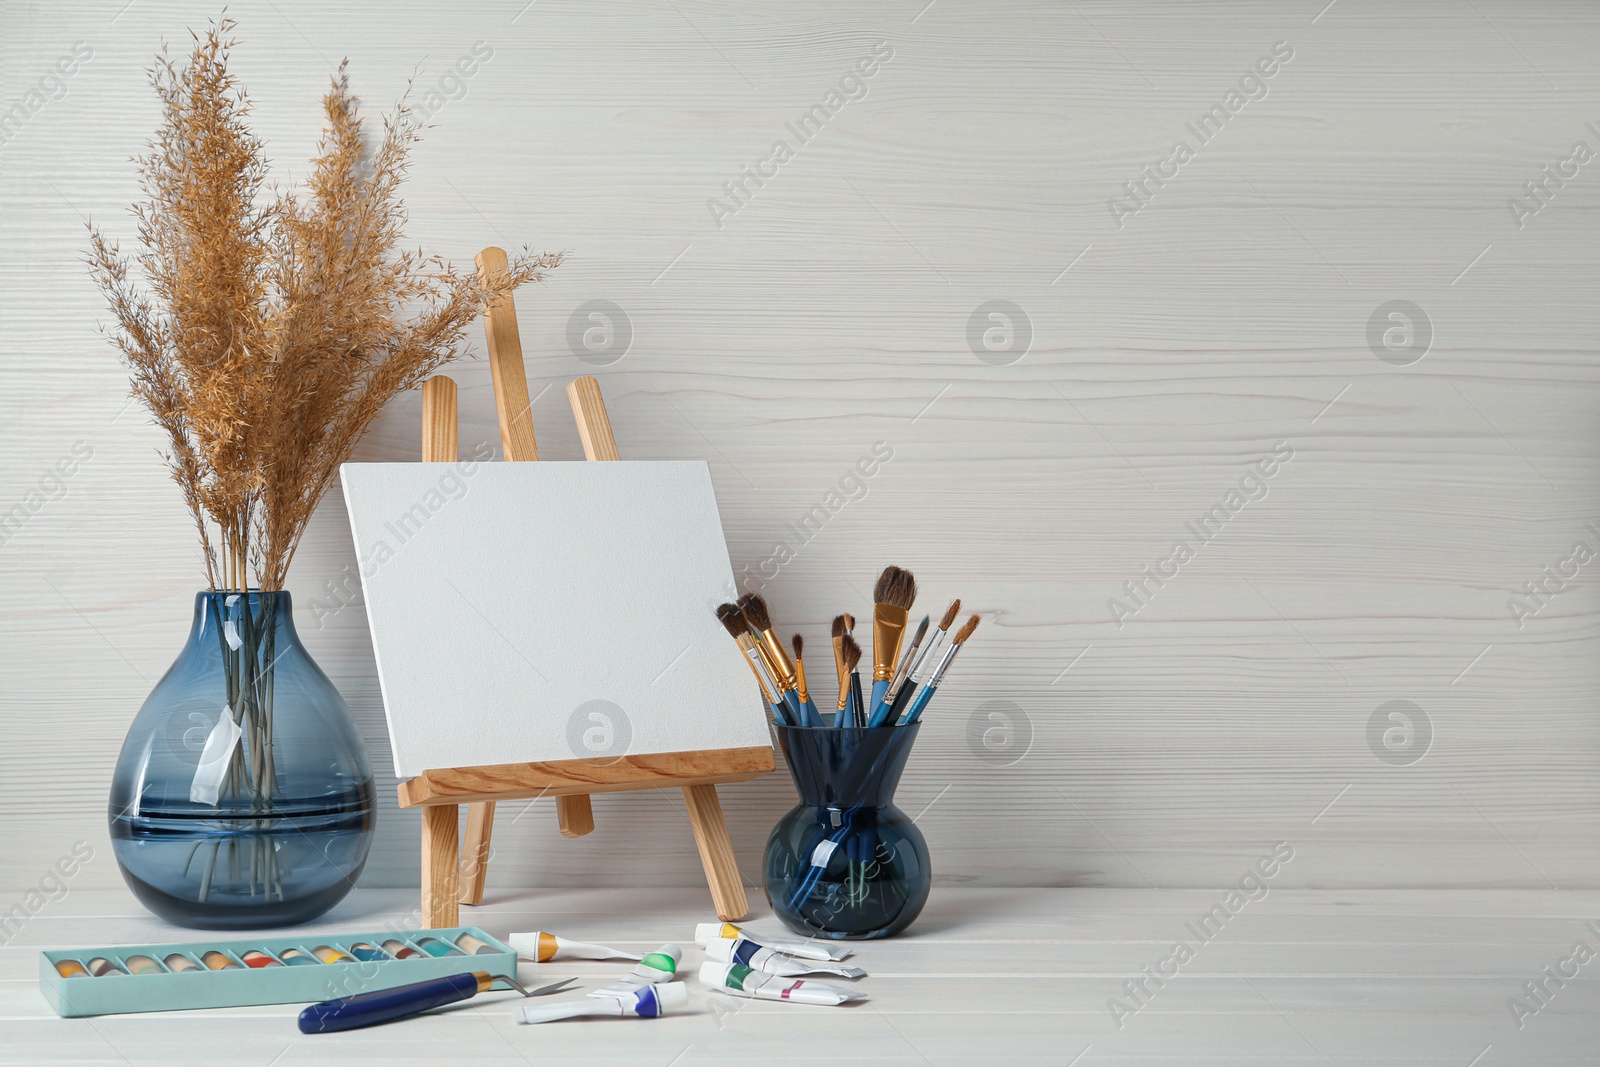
(272, 970)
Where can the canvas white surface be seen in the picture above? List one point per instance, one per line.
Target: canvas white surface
(546, 611)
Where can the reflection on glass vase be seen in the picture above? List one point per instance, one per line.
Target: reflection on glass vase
(243, 795)
(846, 863)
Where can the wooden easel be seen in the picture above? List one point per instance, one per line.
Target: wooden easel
(452, 876)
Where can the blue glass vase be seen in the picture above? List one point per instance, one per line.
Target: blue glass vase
(243, 795)
(845, 863)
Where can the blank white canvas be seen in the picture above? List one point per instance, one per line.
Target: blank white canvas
(506, 599)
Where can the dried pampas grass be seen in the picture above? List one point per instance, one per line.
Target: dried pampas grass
(269, 330)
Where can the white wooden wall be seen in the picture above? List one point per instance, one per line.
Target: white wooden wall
(832, 311)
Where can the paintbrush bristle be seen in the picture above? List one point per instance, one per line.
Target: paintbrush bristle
(966, 630)
(950, 614)
(733, 620)
(922, 631)
(839, 627)
(850, 653)
(755, 611)
(799, 645)
(895, 587)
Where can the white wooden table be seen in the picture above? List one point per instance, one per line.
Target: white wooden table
(993, 976)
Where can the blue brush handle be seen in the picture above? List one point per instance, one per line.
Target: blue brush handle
(781, 713)
(797, 711)
(878, 690)
(385, 1005)
(881, 713)
(920, 703)
(812, 716)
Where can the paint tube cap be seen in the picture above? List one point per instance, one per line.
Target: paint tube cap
(672, 995)
(720, 949)
(704, 932)
(671, 952)
(525, 945)
(714, 974)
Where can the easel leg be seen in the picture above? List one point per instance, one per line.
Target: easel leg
(575, 815)
(475, 851)
(440, 864)
(716, 852)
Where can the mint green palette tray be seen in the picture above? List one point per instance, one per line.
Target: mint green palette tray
(168, 989)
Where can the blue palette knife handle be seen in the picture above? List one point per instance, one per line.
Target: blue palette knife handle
(386, 1005)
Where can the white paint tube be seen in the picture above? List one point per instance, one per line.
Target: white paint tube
(656, 967)
(650, 1002)
(737, 980)
(771, 961)
(542, 948)
(806, 950)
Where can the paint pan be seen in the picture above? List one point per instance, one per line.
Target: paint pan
(401, 951)
(434, 947)
(473, 947)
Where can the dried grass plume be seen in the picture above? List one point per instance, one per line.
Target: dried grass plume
(265, 330)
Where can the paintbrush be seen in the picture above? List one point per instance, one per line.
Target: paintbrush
(842, 624)
(926, 658)
(938, 672)
(892, 598)
(850, 685)
(759, 619)
(901, 672)
(799, 644)
(733, 621)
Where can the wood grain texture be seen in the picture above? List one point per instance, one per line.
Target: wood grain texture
(995, 976)
(477, 845)
(441, 887)
(439, 426)
(556, 778)
(589, 413)
(505, 364)
(831, 311)
(716, 852)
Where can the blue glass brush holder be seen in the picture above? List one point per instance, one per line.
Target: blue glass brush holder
(845, 863)
(243, 796)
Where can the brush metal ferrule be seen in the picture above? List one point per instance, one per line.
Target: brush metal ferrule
(782, 668)
(944, 665)
(928, 654)
(888, 630)
(758, 666)
(800, 680)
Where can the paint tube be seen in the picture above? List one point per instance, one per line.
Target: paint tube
(542, 947)
(656, 967)
(647, 1003)
(737, 980)
(770, 961)
(806, 950)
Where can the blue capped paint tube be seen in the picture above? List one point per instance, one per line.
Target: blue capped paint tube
(650, 1002)
(759, 957)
